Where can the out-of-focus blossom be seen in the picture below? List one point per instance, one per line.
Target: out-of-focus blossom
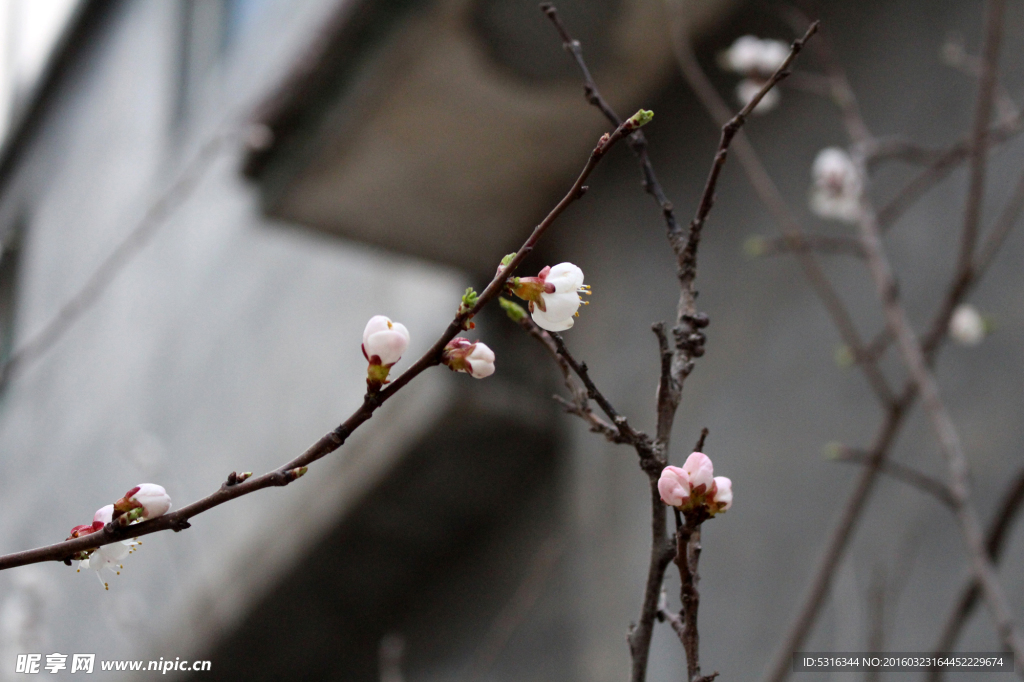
(750, 55)
(748, 87)
(836, 189)
(966, 326)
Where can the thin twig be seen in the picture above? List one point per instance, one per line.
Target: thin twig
(687, 332)
(785, 219)
(827, 245)
(83, 300)
(994, 11)
(995, 541)
(516, 609)
(779, 668)
(909, 475)
(942, 167)
(1004, 224)
(687, 558)
(285, 474)
(914, 358)
(580, 403)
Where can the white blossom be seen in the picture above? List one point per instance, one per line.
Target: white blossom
(747, 88)
(154, 499)
(967, 326)
(723, 493)
(473, 358)
(107, 557)
(385, 340)
(750, 55)
(561, 305)
(836, 189)
(698, 466)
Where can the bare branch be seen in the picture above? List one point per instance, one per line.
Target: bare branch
(580, 403)
(785, 219)
(994, 11)
(995, 541)
(826, 245)
(516, 609)
(941, 168)
(285, 474)
(922, 481)
(83, 300)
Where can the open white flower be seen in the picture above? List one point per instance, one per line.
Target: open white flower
(837, 186)
(561, 305)
(967, 326)
(107, 557)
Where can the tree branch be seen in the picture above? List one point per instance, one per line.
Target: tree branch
(83, 300)
(995, 541)
(922, 481)
(283, 475)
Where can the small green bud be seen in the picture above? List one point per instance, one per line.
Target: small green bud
(755, 246)
(507, 259)
(639, 119)
(515, 312)
(844, 356)
(469, 300)
(833, 450)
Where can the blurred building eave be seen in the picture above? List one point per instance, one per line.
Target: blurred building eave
(399, 128)
(87, 18)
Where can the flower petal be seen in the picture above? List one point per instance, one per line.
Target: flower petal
(701, 472)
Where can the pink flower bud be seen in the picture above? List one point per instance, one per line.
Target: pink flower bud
(384, 340)
(474, 358)
(702, 474)
(723, 494)
(674, 486)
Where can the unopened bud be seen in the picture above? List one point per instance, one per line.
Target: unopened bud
(639, 119)
(473, 358)
(515, 312)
